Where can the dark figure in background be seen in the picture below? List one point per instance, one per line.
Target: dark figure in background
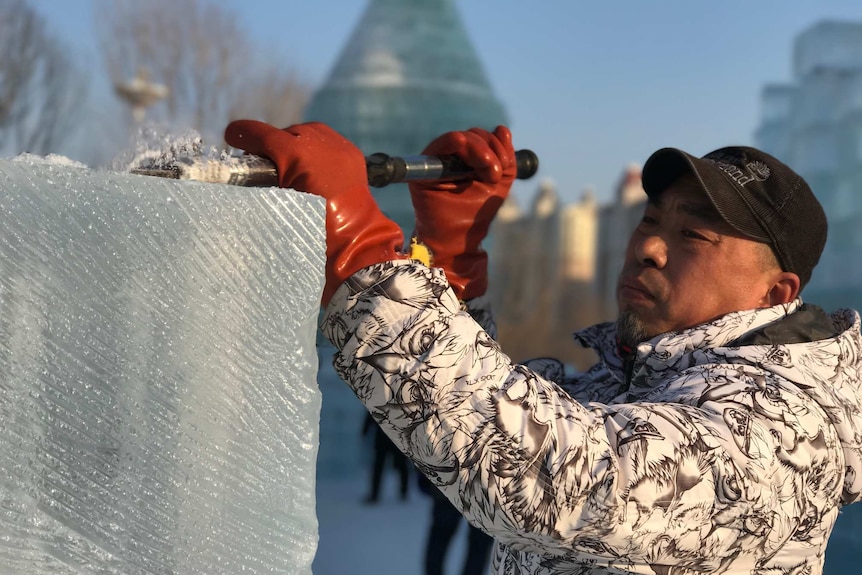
(384, 449)
(445, 520)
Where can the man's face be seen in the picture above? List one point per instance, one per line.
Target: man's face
(685, 266)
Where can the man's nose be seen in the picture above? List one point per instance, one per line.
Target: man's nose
(651, 251)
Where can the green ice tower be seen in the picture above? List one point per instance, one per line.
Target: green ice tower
(407, 74)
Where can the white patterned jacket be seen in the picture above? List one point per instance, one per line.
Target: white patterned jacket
(718, 455)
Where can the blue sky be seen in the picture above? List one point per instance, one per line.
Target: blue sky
(590, 86)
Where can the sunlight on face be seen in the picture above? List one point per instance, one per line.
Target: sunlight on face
(684, 266)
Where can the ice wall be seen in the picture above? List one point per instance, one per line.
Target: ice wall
(158, 405)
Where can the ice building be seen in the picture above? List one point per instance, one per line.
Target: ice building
(554, 267)
(407, 74)
(542, 269)
(617, 220)
(814, 124)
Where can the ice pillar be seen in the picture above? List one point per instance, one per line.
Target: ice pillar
(158, 405)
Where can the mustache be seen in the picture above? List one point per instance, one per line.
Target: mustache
(634, 279)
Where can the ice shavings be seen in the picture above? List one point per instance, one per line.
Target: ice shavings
(50, 159)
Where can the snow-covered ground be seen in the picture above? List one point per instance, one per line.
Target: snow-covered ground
(387, 539)
(382, 539)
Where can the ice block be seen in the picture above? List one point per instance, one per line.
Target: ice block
(158, 399)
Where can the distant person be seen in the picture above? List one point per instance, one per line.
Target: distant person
(385, 450)
(720, 430)
(445, 523)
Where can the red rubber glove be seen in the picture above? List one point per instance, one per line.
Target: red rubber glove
(314, 158)
(452, 218)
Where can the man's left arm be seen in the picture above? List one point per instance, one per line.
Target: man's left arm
(525, 462)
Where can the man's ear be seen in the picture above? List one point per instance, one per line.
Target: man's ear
(784, 290)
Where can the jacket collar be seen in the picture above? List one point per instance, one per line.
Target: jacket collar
(651, 358)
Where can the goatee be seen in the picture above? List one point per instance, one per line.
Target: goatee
(631, 330)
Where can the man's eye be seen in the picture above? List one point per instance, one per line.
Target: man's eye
(691, 234)
(649, 220)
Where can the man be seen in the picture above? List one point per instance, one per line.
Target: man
(720, 430)
(384, 451)
(445, 522)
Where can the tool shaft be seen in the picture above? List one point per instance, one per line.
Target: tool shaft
(249, 170)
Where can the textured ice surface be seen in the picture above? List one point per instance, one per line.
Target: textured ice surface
(158, 405)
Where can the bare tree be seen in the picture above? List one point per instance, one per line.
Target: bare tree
(199, 53)
(277, 98)
(39, 87)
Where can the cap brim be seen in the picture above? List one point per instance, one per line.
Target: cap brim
(665, 166)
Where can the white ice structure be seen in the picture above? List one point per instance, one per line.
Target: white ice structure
(814, 124)
(158, 404)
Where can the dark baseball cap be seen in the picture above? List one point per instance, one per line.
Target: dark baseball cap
(756, 194)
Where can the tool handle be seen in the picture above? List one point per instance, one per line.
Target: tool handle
(250, 170)
(384, 169)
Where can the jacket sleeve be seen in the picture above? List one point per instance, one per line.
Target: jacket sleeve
(658, 483)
